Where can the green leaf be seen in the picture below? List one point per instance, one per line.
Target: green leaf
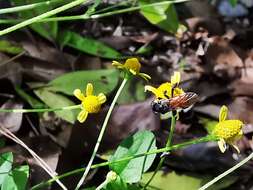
(233, 2)
(54, 100)
(132, 92)
(171, 181)
(6, 160)
(48, 30)
(131, 171)
(144, 50)
(89, 188)
(164, 16)
(103, 81)
(17, 179)
(87, 45)
(8, 47)
(34, 103)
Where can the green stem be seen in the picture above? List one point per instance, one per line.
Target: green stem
(161, 150)
(136, 8)
(248, 158)
(27, 7)
(168, 144)
(95, 16)
(40, 110)
(42, 16)
(122, 3)
(101, 134)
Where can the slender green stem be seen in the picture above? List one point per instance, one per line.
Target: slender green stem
(130, 9)
(136, 8)
(172, 129)
(161, 150)
(40, 110)
(122, 3)
(168, 144)
(27, 7)
(42, 16)
(10, 21)
(101, 134)
(95, 16)
(248, 158)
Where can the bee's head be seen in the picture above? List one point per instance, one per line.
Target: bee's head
(159, 106)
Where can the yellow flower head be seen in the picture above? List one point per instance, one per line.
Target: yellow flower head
(132, 66)
(228, 131)
(90, 103)
(165, 90)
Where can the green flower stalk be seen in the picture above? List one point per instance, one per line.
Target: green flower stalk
(40, 110)
(131, 67)
(111, 176)
(166, 90)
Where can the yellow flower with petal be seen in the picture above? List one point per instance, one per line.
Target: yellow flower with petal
(165, 90)
(90, 103)
(227, 131)
(132, 66)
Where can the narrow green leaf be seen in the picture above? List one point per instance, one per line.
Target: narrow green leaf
(17, 179)
(34, 103)
(103, 81)
(90, 188)
(8, 47)
(54, 100)
(131, 171)
(164, 16)
(144, 50)
(48, 30)
(87, 45)
(6, 160)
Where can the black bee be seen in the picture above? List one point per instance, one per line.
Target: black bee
(182, 101)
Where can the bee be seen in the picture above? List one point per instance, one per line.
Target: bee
(182, 101)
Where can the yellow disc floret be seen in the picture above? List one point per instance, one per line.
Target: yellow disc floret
(90, 103)
(228, 129)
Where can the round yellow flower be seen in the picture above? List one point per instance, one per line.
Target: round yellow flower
(133, 66)
(90, 103)
(165, 89)
(228, 131)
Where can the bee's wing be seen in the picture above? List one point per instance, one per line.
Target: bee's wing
(183, 101)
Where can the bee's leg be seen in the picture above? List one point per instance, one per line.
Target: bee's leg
(177, 115)
(165, 94)
(173, 89)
